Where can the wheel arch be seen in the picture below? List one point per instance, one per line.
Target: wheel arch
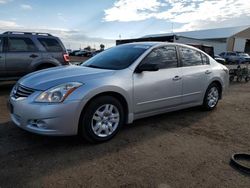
(219, 84)
(42, 62)
(114, 94)
(45, 64)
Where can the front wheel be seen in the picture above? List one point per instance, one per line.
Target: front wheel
(101, 119)
(211, 97)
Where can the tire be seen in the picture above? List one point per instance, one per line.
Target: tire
(231, 78)
(247, 79)
(239, 78)
(209, 97)
(101, 120)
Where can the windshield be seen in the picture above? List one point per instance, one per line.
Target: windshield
(116, 58)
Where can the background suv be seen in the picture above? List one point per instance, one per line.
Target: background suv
(235, 57)
(24, 52)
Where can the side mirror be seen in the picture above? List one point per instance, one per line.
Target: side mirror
(147, 67)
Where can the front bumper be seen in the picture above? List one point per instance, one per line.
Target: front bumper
(46, 119)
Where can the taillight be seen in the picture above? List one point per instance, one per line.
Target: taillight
(66, 57)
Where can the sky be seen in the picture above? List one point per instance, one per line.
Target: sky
(91, 22)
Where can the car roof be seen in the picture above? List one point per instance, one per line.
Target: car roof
(158, 44)
(149, 44)
(27, 34)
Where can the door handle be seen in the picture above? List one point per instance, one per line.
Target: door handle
(176, 78)
(33, 55)
(208, 72)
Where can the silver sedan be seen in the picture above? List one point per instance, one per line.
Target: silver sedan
(116, 87)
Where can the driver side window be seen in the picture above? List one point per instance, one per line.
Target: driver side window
(164, 57)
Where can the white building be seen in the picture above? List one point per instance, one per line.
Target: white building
(222, 39)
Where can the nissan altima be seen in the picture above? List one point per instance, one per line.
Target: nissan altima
(116, 87)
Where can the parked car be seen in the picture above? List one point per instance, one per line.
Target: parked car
(220, 59)
(23, 52)
(116, 87)
(83, 53)
(69, 51)
(243, 57)
(235, 57)
(74, 52)
(96, 52)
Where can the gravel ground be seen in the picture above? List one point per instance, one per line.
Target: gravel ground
(188, 148)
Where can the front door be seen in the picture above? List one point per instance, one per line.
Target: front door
(159, 89)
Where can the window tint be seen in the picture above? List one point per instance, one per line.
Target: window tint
(51, 45)
(190, 57)
(21, 45)
(205, 59)
(164, 57)
(116, 58)
(1, 44)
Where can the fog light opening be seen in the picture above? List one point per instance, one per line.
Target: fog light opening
(38, 123)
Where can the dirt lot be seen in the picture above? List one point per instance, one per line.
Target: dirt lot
(189, 148)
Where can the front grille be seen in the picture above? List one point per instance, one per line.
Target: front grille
(22, 91)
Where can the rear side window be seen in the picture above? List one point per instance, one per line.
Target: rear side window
(1, 44)
(205, 59)
(51, 45)
(190, 57)
(21, 45)
(164, 57)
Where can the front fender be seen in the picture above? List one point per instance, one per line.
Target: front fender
(86, 92)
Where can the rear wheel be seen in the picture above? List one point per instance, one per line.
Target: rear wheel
(211, 97)
(101, 119)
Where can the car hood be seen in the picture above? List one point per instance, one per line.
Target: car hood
(45, 79)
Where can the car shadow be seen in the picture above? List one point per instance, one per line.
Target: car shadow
(20, 150)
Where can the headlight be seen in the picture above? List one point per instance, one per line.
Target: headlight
(58, 93)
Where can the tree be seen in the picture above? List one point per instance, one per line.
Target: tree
(102, 47)
(88, 48)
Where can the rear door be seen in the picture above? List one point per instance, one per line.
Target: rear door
(21, 51)
(2, 58)
(159, 89)
(196, 72)
(54, 48)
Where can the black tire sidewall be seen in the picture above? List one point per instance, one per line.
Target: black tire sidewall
(231, 78)
(85, 128)
(239, 78)
(205, 101)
